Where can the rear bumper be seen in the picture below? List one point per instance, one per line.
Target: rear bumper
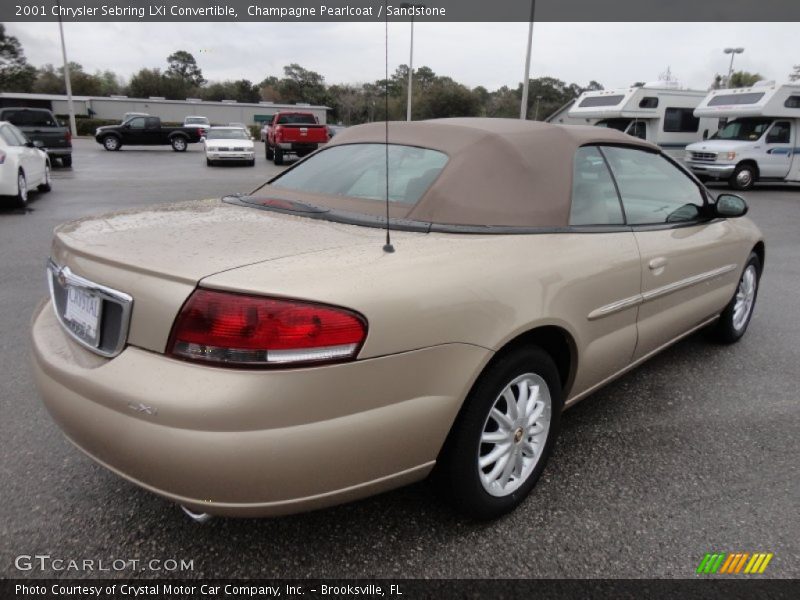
(231, 156)
(298, 146)
(58, 152)
(711, 170)
(254, 443)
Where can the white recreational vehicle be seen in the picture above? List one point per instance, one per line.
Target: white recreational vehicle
(760, 142)
(662, 115)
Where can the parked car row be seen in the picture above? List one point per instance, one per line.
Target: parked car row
(740, 136)
(40, 125)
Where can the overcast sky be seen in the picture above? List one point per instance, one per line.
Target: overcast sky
(487, 54)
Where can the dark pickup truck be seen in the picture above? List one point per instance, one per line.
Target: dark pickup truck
(40, 125)
(146, 131)
(293, 133)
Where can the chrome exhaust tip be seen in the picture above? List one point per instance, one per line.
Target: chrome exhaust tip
(196, 517)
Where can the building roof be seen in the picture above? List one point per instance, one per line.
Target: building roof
(192, 101)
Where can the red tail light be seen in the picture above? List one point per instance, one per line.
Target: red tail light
(242, 330)
(69, 137)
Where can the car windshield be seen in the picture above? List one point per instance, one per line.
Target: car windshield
(292, 119)
(748, 130)
(196, 121)
(30, 118)
(618, 124)
(234, 133)
(359, 171)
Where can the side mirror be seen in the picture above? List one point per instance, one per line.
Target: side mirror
(730, 206)
(37, 144)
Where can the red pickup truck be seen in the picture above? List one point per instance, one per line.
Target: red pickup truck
(293, 133)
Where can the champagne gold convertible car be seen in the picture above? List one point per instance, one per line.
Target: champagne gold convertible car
(271, 353)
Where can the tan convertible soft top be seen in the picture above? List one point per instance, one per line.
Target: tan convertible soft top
(500, 171)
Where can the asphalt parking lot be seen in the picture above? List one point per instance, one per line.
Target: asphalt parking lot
(694, 452)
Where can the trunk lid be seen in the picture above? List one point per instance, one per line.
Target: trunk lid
(159, 255)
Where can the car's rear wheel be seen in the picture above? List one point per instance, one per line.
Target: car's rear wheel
(734, 320)
(209, 162)
(251, 162)
(744, 177)
(179, 143)
(278, 156)
(45, 186)
(500, 442)
(110, 143)
(270, 154)
(21, 199)
(66, 161)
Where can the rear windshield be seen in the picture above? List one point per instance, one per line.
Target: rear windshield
(359, 171)
(30, 118)
(196, 121)
(297, 119)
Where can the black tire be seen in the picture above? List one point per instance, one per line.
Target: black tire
(179, 143)
(21, 197)
(251, 163)
(278, 156)
(66, 161)
(46, 186)
(209, 162)
(731, 326)
(270, 154)
(744, 177)
(110, 143)
(458, 474)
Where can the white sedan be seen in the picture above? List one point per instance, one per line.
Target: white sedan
(23, 165)
(228, 144)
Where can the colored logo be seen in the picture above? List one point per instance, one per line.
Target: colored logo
(734, 563)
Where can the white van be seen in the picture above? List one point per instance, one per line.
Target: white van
(759, 142)
(655, 112)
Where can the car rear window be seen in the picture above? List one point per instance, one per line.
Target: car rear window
(297, 120)
(29, 118)
(359, 171)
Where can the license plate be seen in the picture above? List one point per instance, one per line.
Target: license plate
(83, 314)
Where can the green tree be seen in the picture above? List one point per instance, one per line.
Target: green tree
(302, 85)
(146, 83)
(241, 90)
(183, 66)
(741, 79)
(16, 75)
(443, 97)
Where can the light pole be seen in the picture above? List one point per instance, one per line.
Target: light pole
(523, 107)
(410, 56)
(733, 52)
(72, 127)
(536, 110)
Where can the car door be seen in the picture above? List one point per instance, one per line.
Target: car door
(777, 159)
(152, 130)
(689, 263)
(134, 132)
(606, 278)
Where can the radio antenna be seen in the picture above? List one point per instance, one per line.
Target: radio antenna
(387, 247)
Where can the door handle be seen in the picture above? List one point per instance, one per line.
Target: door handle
(657, 265)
